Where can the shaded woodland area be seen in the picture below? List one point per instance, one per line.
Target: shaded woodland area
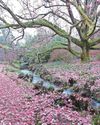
(50, 62)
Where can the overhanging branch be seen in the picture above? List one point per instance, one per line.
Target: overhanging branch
(95, 48)
(44, 22)
(94, 42)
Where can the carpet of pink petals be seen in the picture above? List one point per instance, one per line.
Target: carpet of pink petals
(23, 105)
(80, 72)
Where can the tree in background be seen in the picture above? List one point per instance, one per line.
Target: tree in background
(42, 37)
(5, 43)
(65, 17)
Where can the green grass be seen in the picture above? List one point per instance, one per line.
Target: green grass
(58, 65)
(12, 69)
(16, 64)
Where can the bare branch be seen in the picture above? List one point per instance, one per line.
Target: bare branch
(11, 13)
(3, 20)
(19, 37)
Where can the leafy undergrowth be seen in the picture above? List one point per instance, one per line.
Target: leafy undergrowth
(22, 104)
(82, 73)
(25, 105)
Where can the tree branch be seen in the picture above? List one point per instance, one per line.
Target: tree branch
(95, 48)
(44, 22)
(4, 6)
(94, 42)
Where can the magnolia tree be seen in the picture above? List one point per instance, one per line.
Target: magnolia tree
(65, 17)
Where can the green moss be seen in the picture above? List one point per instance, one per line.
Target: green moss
(59, 102)
(48, 77)
(51, 88)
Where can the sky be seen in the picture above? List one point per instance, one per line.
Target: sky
(14, 4)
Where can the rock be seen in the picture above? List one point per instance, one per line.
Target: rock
(76, 88)
(57, 81)
(26, 75)
(47, 77)
(50, 86)
(37, 79)
(59, 101)
(79, 102)
(32, 67)
(60, 90)
(44, 73)
(24, 65)
(86, 91)
(39, 85)
(71, 82)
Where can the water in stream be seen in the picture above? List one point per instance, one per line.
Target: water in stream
(38, 80)
(95, 104)
(68, 92)
(26, 72)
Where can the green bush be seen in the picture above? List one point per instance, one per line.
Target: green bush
(42, 54)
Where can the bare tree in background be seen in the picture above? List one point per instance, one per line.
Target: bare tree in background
(64, 17)
(44, 36)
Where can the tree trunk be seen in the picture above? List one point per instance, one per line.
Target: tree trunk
(85, 56)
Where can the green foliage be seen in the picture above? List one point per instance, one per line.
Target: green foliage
(16, 64)
(51, 88)
(58, 65)
(42, 54)
(59, 38)
(96, 120)
(98, 57)
(12, 69)
(59, 102)
(48, 77)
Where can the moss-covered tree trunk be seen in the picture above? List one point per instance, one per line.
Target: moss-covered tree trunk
(85, 56)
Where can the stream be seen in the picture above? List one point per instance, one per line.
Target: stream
(37, 80)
